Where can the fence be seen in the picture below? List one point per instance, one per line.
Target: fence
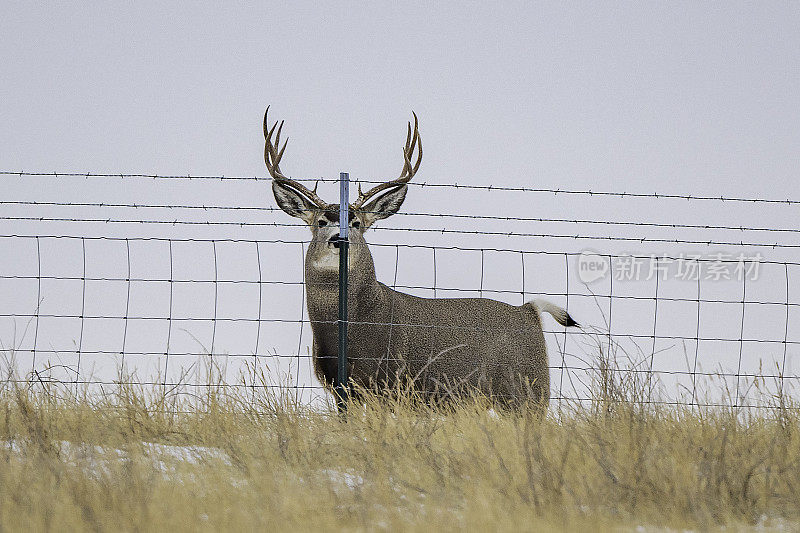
(162, 275)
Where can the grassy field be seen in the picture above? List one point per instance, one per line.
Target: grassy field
(140, 459)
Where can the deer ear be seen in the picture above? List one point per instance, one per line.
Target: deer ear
(293, 202)
(384, 205)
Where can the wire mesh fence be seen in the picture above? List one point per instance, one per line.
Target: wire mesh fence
(165, 276)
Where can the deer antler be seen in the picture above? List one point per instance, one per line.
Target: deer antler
(272, 157)
(413, 140)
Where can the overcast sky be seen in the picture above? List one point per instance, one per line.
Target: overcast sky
(697, 98)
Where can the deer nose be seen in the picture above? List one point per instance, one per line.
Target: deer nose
(334, 240)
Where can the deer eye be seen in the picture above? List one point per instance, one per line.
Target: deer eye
(322, 222)
(356, 223)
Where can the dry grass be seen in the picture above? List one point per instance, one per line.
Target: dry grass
(132, 460)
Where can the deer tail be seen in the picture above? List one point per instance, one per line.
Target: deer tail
(559, 313)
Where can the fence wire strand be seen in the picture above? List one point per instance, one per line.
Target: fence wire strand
(573, 367)
(421, 184)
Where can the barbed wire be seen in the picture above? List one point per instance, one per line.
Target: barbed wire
(455, 185)
(139, 205)
(123, 175)
(673, 225)
(710, 242)
(176, 318)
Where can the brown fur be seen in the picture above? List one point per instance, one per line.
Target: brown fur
(437, 347)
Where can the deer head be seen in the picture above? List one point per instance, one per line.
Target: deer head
(379, 202)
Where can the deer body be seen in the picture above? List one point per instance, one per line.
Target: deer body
(437, 346)
(442, 345)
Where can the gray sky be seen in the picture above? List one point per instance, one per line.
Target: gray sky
(639, 97)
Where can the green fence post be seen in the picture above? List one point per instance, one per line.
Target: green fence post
(344, 234)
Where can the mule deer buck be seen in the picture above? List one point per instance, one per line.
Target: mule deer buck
(437, 347)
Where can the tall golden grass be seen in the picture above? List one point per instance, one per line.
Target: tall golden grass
(148, 458)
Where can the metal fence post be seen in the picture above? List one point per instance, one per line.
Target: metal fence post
(344, 234)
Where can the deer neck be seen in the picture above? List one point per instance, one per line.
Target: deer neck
(322, 286)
